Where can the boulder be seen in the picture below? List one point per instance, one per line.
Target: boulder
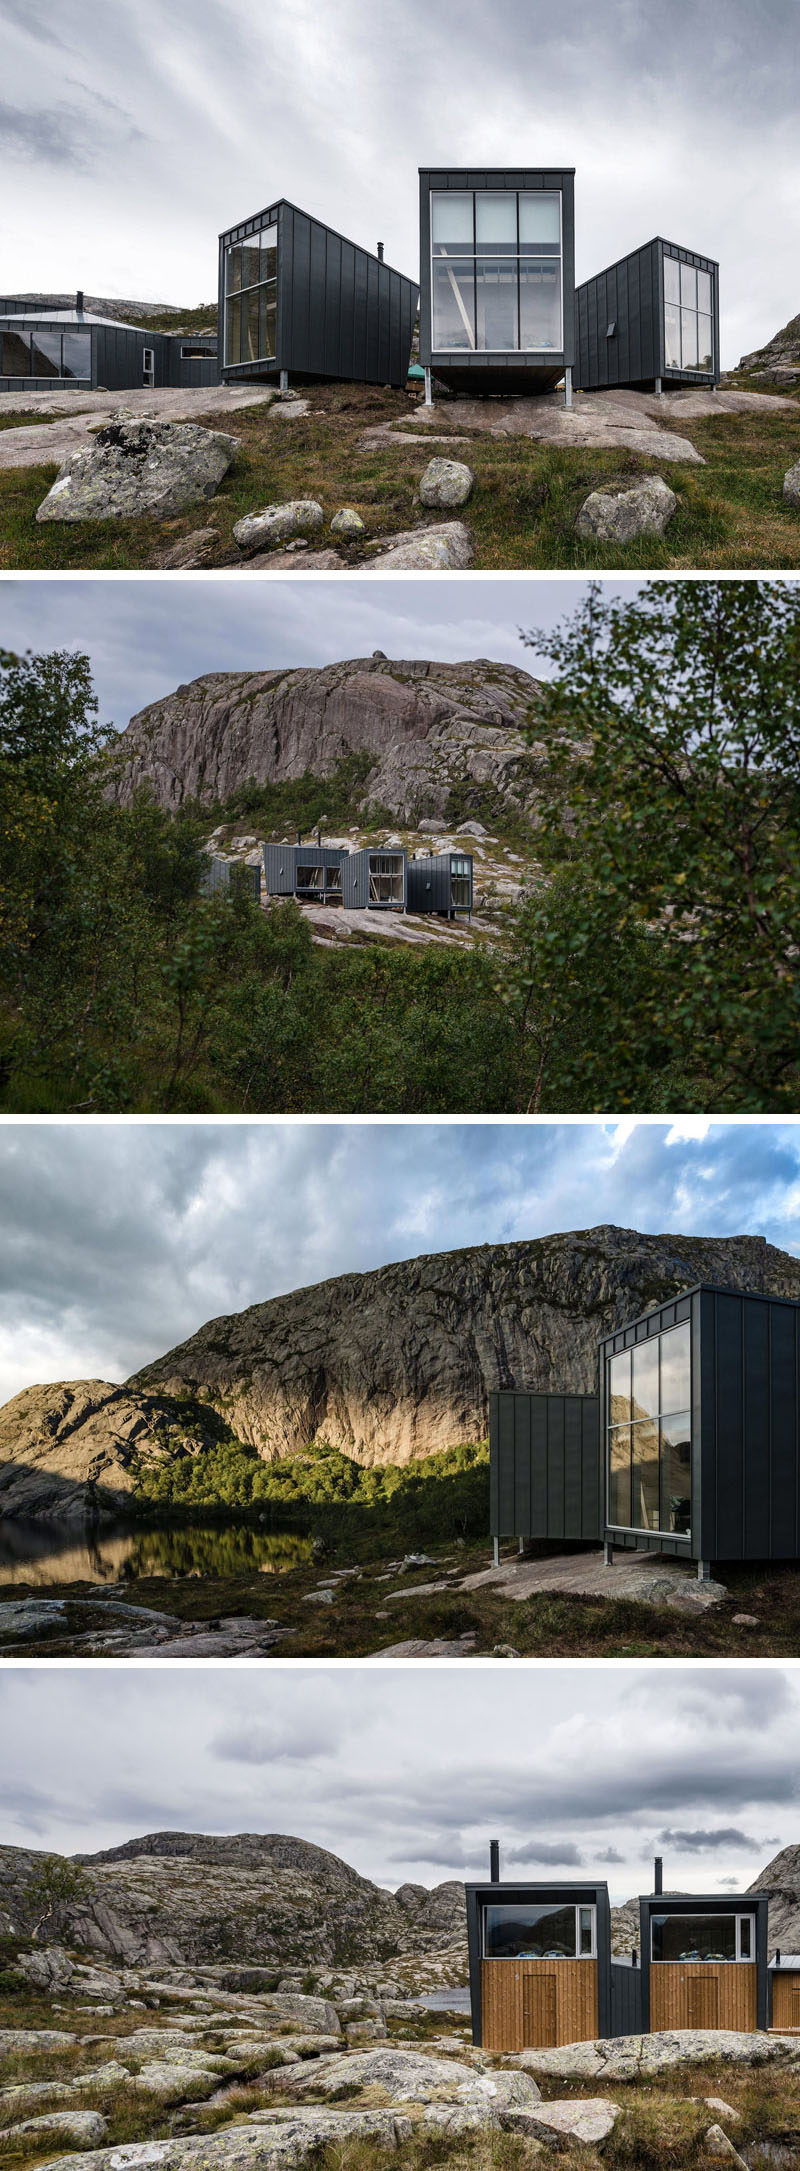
(446, 482)
(190, 552)
(347, 522)
(268, 2139)
(620, 515)
(442, 549)
(175, 2080)
(134, 469)
(34, 2039)
(723, 2109)
(717, 2144)
(278, 523)
(471, 829)
(37, 2092)
(409, 2076)
(590, 2120)
(85, 2128)
(636, 2057)
(315, 2016)
(34, 1617)
(791, 484)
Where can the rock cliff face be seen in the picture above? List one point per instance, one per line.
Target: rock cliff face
(400, 1363)
(64, 1446)
(250, 1898)
(427, 726)
(781, 1881)
(778, 362)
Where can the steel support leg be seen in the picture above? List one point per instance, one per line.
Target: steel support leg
(568, 386)
(284, 380)
(704, 1571)
(659, 394)
(608, 1553)
(496, 1551)
(428, 392)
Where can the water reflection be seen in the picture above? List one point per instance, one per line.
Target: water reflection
(38, 1554)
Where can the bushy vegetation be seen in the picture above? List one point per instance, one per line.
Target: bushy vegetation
(654, 967)
(299, 802)
(323, 1491)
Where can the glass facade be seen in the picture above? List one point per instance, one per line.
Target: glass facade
(251, 298)
(46, 354)
(496, 271)
(460, 885)
(539, 1930)
(701, 1937)
(648, 1417)
(688, 317)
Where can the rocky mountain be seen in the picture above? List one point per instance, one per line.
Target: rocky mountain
(244, 1900)
(427, 728)
(386, 1366)
(781, 1880)
(778, 362)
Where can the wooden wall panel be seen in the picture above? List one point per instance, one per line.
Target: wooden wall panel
(681, 1991)
(520, 1997)
(785, 2001)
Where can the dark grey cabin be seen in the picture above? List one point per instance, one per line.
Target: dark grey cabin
(441, 882)
(226, 875)
(704, 1961)
(296, 299)
(48, 351)
(497, 278)
(539, 1963)
(649, 321)
(700, 1421)
(310, 872)
(545, 1466)
(374, 880)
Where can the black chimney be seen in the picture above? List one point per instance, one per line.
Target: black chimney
(299, 836)
(658, 1881)
(79, 302)
(634, 1956)
(494, 1861)
(777, 1956)
(319, 836)
(380, 252)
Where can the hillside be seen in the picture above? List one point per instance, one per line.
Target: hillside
(387, 1366)
(423, 731)
(245, 1899)
(778, 361)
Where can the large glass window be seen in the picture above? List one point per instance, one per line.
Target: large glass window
(538, 1930)
(688, 342)
(649, 1434)
(76, 358)
(701, 1937)
(460, 884)
(16, 354)
(46, 354)
(496, 271)
(251, 293)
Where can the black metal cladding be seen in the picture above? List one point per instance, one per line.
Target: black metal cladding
(374, 879)
(495, 369)
(442, 882)
(694, 1903)
(312, 871)
(620, 321)
(118, 357)
(626, 1999)
(545, 1466)
(578, 1895)
(745, 1424)
(340, 311)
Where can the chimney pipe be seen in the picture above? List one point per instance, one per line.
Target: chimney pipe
(494, 1861)
(658, 1882)
(79, 302)
(299, 836)
(777, 1956)
(380, 252)
(319, 836)
(634, 1956)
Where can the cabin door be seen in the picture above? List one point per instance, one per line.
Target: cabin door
(702, 2001)
(539, 2029)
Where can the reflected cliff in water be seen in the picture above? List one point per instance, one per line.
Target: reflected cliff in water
(39, 1554)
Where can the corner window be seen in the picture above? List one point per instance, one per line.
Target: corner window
(648, 1419)
(76, 354)
(713, 1938)
(496, 271)
(539, 1930)
(688, 325)
(251, 296)
(16, 354)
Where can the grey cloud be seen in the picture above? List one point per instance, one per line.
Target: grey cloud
(559, 1851)
(707, 1842)
(58, 138)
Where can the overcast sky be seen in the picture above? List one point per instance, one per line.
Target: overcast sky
(131, 134)
(145, 637)
(119, 1239)
(408, 1772)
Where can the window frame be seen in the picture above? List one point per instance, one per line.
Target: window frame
(240, 293)
(641, 1529)
(699, 1914)
(706, 270)
(461, 252)
(558, 1959)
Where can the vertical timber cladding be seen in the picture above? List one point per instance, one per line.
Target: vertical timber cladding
(538, 2004)
(545, 1466)
(785, 1984)
(523, 1999)
(676, 1990)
